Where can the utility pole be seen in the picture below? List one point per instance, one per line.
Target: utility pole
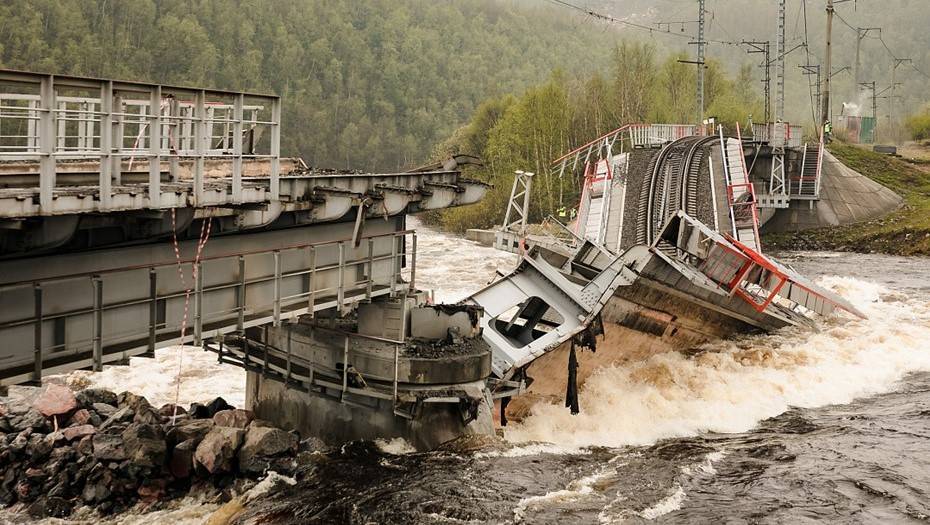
(700, 42)
(871, 86)
(780, 53)
(825, 108)
(700, 64)
(779, 129)
(862, 32)
(763, 47)
(894, 84)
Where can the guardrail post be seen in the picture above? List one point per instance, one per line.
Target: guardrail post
(275, 147)
(345, 369)
(340, 290)
(394, 265)
(237, 149)
(277, 288)
(371, 268)
(106, 144)
(413, 261)
(155, 148)
(198, 304)
(47, 129)
(200, 125)
(240, 294)
(311, 290)
(396, 370)
(98, 322)
(287, 375)
(118, 128)
(153, 310)
(37, 372)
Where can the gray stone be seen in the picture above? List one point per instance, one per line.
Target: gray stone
(262, 444)
(52, 507)
(110, 447)
(236, 418)
(30, 419)
(120, 416)
(78, 432)
(95, 492)
(148, 415)
(133, 401)
(218, 449)
(194, 429)
(91, 396)
(104, 409)
(144, 444)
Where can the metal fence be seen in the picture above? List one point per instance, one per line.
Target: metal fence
(51, 119)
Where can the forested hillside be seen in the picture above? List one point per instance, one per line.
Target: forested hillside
(368, 85)
(526, 132)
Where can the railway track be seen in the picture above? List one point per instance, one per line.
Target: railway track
(673, 185)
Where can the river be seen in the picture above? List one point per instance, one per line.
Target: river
(797, 426)
(791, 427)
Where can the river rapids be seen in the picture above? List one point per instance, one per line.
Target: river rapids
(792, 427)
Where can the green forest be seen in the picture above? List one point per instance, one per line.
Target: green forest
(526, 132)
(366, 85)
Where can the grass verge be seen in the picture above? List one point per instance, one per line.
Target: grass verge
(905, 231)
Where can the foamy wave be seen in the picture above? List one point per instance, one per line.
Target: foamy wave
(534, 449)
(733, 385)
(202, 377)
(575, 489)
(663, 507)
(397, 446)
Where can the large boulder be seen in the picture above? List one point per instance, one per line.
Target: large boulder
(32, 419)
(236, 418)
(55, 400)
(192, 429)
(182, 459)
(199, 411)
(261, 445)
(216, 452)
(144, 444)
(91, 396)
(109, 447)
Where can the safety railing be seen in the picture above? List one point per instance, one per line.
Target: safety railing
(244, 289)
(49, 119)
(650, 135)
(768, 133)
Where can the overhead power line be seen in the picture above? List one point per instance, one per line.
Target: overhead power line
(634, 25)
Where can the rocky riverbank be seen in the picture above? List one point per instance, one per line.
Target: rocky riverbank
(61, 450)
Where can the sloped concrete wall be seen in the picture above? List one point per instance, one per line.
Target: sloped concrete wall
(846, 196)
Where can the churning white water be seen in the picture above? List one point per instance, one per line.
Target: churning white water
(732, 385)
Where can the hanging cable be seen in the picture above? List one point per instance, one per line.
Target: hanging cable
(205, 228)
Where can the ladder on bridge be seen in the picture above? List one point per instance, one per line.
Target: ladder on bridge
(741, 196)
(807, 185)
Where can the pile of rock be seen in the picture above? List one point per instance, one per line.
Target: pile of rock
(60, 450)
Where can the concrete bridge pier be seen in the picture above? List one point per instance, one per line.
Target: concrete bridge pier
(393, 368)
